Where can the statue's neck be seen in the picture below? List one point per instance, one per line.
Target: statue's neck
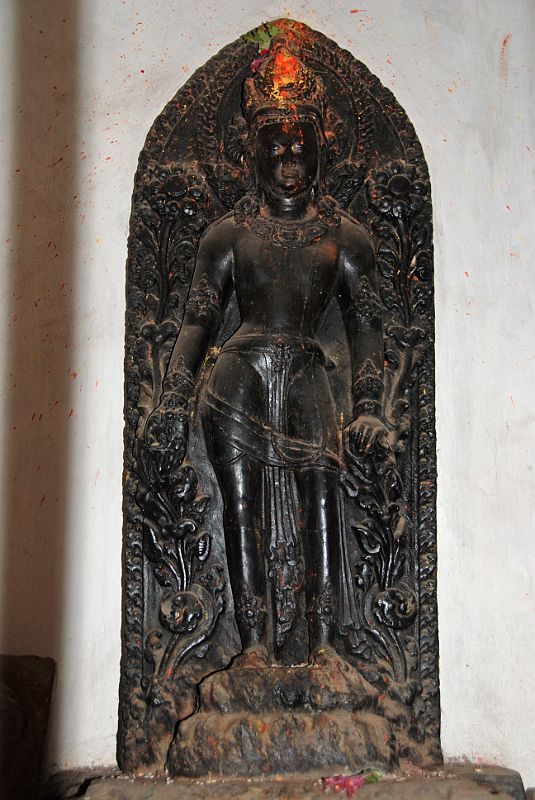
(293, 208)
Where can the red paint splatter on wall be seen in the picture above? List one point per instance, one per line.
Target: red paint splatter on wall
(504, 56)
(55, 163)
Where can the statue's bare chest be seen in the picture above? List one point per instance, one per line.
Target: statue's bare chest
(294, 283)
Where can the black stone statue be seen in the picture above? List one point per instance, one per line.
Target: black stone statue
(271, 427)
(279, 492)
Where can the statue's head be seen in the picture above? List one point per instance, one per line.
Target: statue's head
(283, 105)
(287, 158)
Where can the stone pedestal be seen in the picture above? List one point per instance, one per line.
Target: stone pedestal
(270, 720)
(450, 783)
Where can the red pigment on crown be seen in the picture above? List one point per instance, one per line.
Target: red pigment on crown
(285, 74)
(285, 71)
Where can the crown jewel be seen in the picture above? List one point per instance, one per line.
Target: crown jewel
(283, 87)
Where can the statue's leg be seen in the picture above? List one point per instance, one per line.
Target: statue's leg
(319, 527)
(240, 482)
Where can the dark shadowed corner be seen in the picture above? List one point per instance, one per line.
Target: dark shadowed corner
(40, 371)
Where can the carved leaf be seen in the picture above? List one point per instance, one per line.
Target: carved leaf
(367, 539)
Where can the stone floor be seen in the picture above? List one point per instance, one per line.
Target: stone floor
(453, 783)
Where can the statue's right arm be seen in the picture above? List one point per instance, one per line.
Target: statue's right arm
(209, 293)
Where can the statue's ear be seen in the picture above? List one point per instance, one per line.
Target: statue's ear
(250, 175)
(324, 158)
(235, 140)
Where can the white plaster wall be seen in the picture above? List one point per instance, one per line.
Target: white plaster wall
(82, 82)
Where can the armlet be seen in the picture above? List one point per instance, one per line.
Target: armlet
(367, 389)
(204, 303)
(365, 308)
(178, 386)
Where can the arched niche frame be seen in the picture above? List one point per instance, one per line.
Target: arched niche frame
(178, 616)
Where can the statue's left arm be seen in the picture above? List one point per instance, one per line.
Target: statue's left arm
(361, 309)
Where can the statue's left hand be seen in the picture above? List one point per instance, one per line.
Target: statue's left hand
(363, 432)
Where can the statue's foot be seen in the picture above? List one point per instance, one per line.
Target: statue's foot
(254, 657)
(325, 656)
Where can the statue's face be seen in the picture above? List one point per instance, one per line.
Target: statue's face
(287, 157)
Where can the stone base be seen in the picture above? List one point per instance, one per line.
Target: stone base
(319, 688)
(454, 783)
(258, 721)
(313, 743)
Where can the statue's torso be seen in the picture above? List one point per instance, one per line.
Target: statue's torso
(268, 390)
(283, 290)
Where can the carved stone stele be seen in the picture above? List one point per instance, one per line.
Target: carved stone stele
(280, 472)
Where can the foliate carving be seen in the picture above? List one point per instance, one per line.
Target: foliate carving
(398, 192)
(172, 207)
(177, 545)
(164, 511)
(387, 605)
(323, 606)
(345, 179)
(251, 609)
(396, 607)
(168, 693)
(285, 569)
(166, 432)
(204, 303)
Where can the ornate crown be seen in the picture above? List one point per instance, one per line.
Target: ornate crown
(283, 88)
